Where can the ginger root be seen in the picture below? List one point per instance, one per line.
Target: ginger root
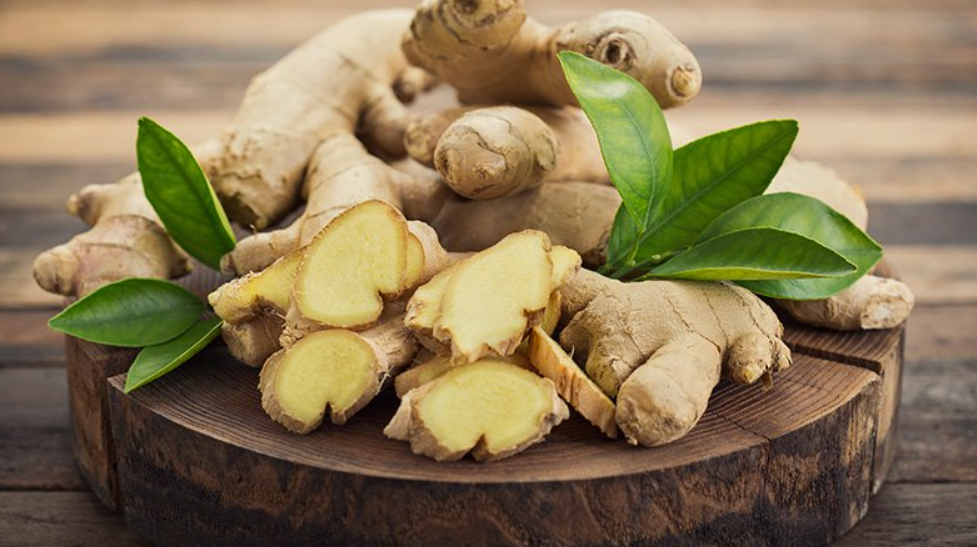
(126, 240)
(660, 347)
(335, 370)
(572, 384)
(349, 79)
(871, 303)
(490, 408)
(492, 152)
(491, 53)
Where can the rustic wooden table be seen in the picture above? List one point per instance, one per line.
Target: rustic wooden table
(886, 92)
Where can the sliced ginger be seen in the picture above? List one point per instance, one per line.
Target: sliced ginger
(355, 261)
(439, 365)
(335, 370)
(489, 408)
(245, 298)
(571, 383)
(484, 305)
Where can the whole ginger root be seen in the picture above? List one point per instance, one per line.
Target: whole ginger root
(492, 53)
(661, 347)
(492, 152)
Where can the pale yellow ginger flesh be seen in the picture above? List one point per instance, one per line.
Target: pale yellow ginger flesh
(661, 347)
(571, 382)
(493, 297)
(436, 367)
(503, 286)
(335, 370)
(489, 408)
(357, 259)
(325, 370)
(245, 298)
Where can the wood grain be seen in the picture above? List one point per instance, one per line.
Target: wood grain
(742, 473)
(46, 519)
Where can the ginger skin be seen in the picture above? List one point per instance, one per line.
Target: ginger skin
(349, 79)
(661, 346)
(126, 240)
(491, 152)
(492, 43)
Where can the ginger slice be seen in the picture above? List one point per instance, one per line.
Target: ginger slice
(355, 261)
(335, 370)
(495, 296)
(489, 408)
(246, 298)
(571, 383)
(566, 262)
(438, 365)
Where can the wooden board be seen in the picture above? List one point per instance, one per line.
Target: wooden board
(193, 460)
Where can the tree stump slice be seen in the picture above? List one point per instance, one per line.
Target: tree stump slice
(194, 460)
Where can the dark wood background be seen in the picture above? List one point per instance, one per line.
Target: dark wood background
(885, 90)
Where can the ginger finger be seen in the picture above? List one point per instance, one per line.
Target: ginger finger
(491, 152)
(489, 408)
(491, 44)
(871, 303)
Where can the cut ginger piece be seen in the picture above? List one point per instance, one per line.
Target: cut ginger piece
(246, 298)
(489, 408)
(438, 365)
(425, 255)
(335, 370)
(359, 258)
(571, 383)
(493, 297)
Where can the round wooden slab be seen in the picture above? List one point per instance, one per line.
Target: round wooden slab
(193, 460)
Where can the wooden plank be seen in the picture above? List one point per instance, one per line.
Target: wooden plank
(845, 132)
(17, 287)
(911, 180)
(937, 275)
(21, 181)
(918, 514)
(61, 519)
(25, 340)
(38, 459)
(33, 398)
(942, 333)
(203, 58)
(935, 223)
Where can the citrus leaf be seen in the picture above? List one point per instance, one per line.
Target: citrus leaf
(178, 190)
(754, 254)
(631, 129)
(811, 218)
(156, 361)
(712, 175)
(133, 312)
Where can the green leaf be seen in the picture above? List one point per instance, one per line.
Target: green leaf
(156, 361)
(178, 190)
(131, 313)
(809, 217)
(754, 254)
(712, 175)
(633, 135)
